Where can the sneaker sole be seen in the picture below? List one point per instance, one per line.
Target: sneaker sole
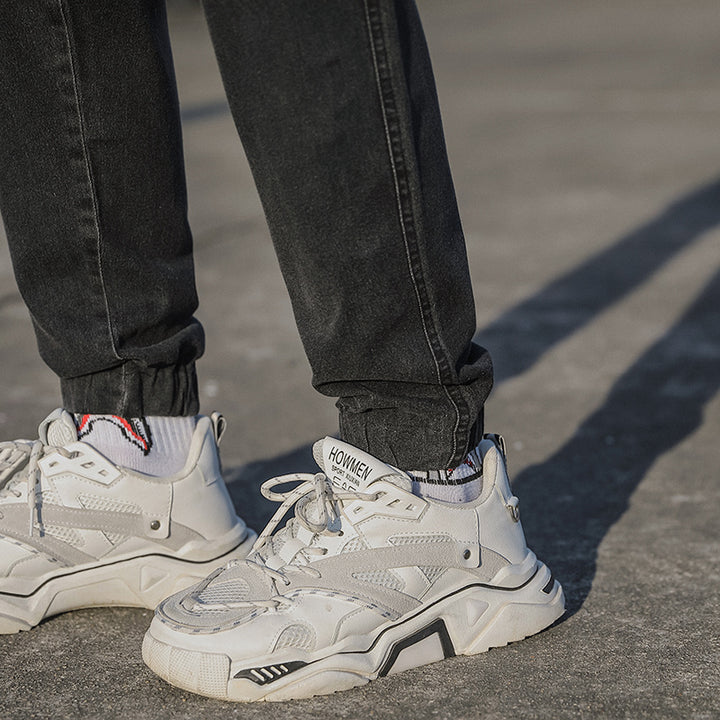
(142, 581)
(468, 621)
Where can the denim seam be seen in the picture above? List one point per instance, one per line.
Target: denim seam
(458, 416)
(404, 209)
(125, 389)
(401, 214)
(90, 177)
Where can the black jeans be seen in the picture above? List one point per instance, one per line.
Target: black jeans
(335, 105)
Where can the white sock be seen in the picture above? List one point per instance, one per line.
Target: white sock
(461, 484)
(151, 445)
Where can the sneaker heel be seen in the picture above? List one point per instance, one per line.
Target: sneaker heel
(516, 614)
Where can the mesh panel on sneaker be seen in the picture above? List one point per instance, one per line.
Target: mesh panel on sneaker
(96, 502)
(66, 535)
(432, 573)
(416, 539)
(381, 577)
(357, 543)
(225, 591)
(114, 538)
(49, 497)
(182, 608)
(296, 636)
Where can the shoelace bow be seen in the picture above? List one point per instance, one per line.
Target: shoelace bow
(315, 494)
(19, 455)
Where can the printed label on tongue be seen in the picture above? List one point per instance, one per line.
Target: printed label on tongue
(350, 468)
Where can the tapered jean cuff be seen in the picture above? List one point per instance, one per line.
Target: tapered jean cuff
(132, 390)
(423, 429)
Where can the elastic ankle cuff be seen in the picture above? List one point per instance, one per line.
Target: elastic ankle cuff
(433, 432)
(132, 391)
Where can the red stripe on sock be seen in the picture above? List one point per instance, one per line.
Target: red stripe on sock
(130, 430)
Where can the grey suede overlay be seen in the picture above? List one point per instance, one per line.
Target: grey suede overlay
(16, 525)
(185, 609)
(337, 571)
(122, 523)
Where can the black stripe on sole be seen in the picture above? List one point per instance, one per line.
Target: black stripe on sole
(270, 673)
(435, 628)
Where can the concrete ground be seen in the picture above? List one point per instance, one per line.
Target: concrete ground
(584, 141)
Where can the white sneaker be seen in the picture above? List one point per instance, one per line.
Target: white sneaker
(78, 531)
(367, 579)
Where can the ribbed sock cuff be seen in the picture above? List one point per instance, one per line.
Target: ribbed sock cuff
(461, 484)
(152, 445)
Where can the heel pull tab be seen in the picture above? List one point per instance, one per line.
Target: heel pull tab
(499, 441)
(219, 424)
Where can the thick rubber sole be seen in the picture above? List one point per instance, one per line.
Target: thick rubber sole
(468, 621)
(142, 581)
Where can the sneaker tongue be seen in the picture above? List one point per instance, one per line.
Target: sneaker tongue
(58, 429)
(349, 468)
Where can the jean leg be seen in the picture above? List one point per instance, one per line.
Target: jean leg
(336, 107)
(92, 193)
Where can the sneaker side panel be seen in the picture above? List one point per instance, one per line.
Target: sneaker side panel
(146, 565)
(498, 516)
(201, 500)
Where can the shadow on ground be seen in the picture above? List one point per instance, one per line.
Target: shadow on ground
(577, 495)
(523, 334)
(573, 498)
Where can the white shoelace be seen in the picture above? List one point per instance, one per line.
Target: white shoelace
(19, 455)
(314, 493)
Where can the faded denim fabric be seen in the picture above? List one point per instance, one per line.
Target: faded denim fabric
(336, 107)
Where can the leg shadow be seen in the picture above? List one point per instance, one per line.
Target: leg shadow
(653, 407)
(204, 111)
(523, 334)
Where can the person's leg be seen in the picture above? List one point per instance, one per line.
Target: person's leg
(336, 107)
(92, 194)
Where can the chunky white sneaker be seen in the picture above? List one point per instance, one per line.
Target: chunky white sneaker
(78, 531)
(367, 579)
